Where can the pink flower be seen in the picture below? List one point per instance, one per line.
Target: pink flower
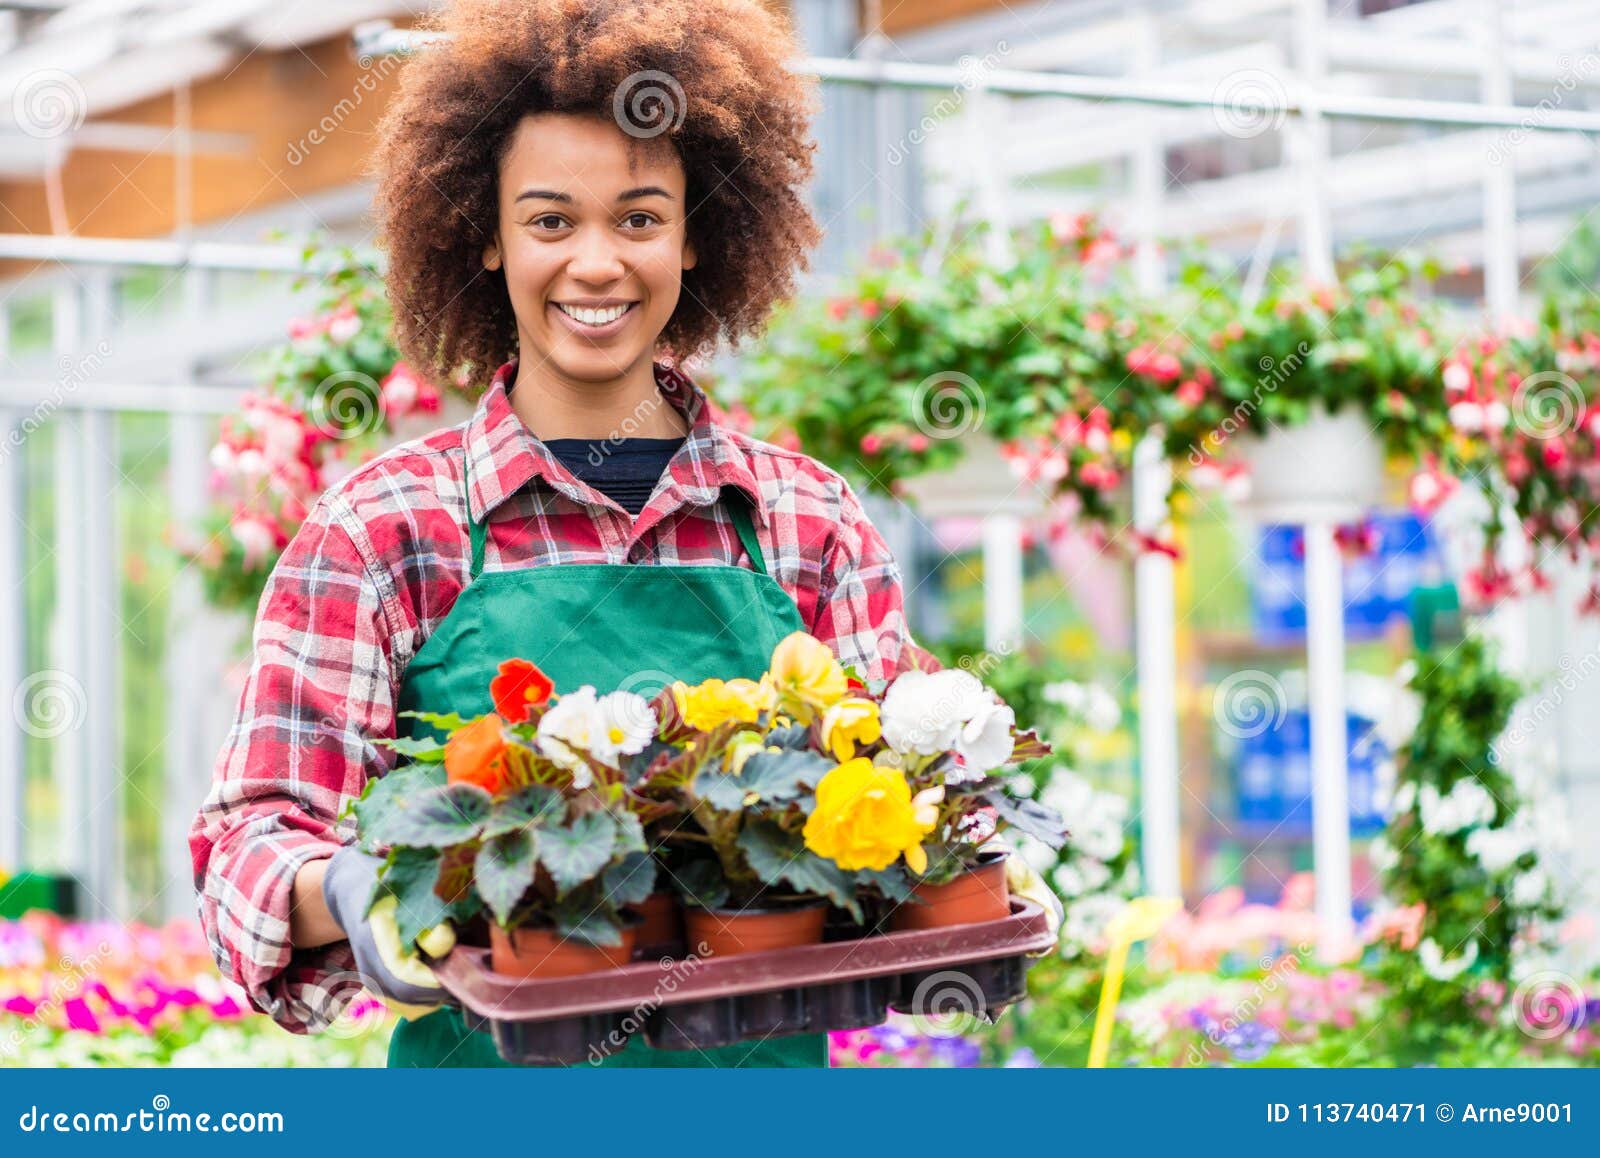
(343, 324)
(871, 443)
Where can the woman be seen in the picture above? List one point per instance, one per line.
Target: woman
(576, 197)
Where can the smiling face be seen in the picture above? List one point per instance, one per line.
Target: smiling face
(593, 239)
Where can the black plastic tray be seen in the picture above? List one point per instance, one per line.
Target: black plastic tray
(700, 1003)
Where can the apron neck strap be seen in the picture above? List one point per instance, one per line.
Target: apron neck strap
(739, 508)
(477, 532)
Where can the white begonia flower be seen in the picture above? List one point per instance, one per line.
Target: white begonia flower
(1435, 966)
(606, 727)
(1496, 849)
(625, 725)
(925, 713)
(1405, 797)
(1467, 805)
(1529, 888)
(1068, 793)
(571, 723)
(1381, 855)
(1098, 836)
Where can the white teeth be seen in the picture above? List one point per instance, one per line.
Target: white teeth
(593, 317)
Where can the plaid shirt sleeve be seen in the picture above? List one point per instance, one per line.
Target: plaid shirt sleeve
(320, 687)
(861, 603)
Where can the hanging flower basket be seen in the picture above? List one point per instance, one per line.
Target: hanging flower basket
(1328, 468)
(984, 482)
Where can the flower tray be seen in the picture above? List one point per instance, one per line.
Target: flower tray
(702, 1002)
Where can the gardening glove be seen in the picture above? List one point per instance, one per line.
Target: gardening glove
(1024, 881)
(387, 968)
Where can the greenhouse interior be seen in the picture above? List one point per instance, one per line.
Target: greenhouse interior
(1221, 381)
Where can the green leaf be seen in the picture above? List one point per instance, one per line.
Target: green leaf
(701, 883)
(577, 853)
(438, 817)
(588, 923)
(775, 855)
(893, 882)
(526, 808)
(386, 795)
(630, 833)
(1039, 821)
(505, 871)
(409, 875)
(767, 778)
(426, 750)
(444, 721)
(631, 879)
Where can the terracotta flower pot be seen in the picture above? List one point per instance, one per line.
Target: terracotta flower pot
(979, 894)
(545, 953)
(660, 925)
(723, 932)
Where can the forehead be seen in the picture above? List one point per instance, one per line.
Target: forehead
(586, 156)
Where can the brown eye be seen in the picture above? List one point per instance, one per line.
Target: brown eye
(644, 219)
(547, 217)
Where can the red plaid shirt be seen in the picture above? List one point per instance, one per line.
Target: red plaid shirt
(379, 562)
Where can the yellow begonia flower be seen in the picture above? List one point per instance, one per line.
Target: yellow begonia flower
(865, 818)
(714, 702)
(808, 677)
(849, 722)
(742, 747)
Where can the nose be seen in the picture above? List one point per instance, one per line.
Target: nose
(596, 256)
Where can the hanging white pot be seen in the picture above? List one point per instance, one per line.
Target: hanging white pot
(1328, 468)
(982, 483)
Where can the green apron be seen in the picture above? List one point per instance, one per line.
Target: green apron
(610, 625)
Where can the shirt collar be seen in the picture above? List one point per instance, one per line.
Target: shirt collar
(503, 455)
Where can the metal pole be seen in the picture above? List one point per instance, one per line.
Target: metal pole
(1330, 809)
(1330, 806)
(13, 625)
(102, 619)
(1155, 597)
(67, 759)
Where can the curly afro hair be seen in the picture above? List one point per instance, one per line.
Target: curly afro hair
(708, 75)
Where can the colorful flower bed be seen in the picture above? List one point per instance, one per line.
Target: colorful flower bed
(102, 993)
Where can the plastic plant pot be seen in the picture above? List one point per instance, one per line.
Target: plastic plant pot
(1329, 467)
(981, 483)
(660, 927)
(979, 894)
(724, 932)
(532, 952)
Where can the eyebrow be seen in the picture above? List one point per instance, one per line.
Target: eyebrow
(566, 198)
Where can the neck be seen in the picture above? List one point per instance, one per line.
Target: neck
(628, 406)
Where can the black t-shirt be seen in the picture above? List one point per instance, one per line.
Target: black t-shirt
(625, 471)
